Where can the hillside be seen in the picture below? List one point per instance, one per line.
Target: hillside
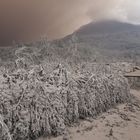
(101, 41)
(110, 39)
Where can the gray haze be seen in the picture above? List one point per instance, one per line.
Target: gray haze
(27, 20)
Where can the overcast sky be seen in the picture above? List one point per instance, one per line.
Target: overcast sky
(29, 19)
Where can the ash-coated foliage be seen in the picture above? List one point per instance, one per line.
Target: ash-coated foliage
(34, 103)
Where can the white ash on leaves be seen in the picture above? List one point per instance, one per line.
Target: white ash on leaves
(35, 104)
(106, 68)
(102, 92)
(4, 131)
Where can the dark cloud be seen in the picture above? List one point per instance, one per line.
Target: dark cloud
(27, 20)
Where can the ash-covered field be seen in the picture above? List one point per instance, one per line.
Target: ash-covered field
(46, 88)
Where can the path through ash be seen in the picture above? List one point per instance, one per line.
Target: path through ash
(121, 123)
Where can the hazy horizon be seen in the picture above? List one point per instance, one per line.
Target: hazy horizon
(23, 20)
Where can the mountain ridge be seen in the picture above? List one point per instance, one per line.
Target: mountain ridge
(111, 39)
(106, 26)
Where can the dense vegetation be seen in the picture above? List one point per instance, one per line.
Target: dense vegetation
(43, 91)
(47, 86)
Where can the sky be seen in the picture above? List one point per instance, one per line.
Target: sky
(28, 20)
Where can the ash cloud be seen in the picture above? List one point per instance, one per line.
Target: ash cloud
(28, 20)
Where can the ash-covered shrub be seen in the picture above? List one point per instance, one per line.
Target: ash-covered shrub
(34, 103)
(101, 92)
(4, 131)
(106, 68)
(134, 82)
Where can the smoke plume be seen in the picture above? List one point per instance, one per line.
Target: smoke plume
(28, 20)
